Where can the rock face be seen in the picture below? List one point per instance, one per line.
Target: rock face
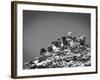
(67, 51)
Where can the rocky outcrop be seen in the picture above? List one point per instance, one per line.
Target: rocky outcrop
(67, 51)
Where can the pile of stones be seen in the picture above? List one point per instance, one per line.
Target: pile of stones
(66, 51)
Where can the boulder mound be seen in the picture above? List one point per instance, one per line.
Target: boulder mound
(67, 51)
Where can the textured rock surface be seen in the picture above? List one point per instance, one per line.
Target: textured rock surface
(67, 51)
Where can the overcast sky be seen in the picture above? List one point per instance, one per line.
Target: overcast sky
(41, 28)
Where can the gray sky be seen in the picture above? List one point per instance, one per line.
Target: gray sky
(40, 28)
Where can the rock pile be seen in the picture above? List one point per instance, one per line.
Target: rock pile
(67, 51)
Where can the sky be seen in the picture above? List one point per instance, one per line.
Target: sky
(40, 28)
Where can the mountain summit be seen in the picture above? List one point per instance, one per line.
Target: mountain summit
(66, 51)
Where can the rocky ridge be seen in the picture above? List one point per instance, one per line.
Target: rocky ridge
(66, 51)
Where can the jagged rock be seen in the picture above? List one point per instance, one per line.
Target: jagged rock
(67, 51)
